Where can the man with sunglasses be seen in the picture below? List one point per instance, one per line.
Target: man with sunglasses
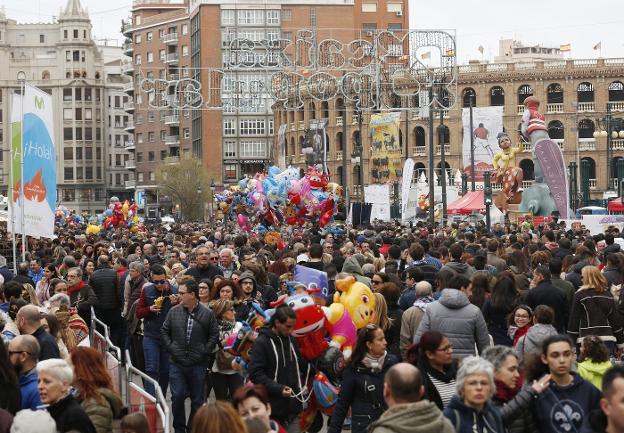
(204, 268)
(157, 298)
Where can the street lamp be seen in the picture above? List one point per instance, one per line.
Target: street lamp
(21, 78)
(610, 129)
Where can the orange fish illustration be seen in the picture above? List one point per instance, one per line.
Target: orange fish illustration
(16, 191)
(35, 189)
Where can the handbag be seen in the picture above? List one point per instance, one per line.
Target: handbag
(224, 359)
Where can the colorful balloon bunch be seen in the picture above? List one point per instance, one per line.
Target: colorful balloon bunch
(65, 217)
(278, 197)
(121, 215)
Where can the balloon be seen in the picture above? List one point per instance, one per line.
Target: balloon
(243, 222)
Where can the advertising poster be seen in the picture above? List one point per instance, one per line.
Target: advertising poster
(379, 197)
(385, 147)
(408, 172)
(315, 146)
(39, 163)
(487, 123)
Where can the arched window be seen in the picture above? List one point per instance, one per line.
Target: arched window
(339, 180)
(338, 142)
(355, 138)
(444, 136)
(555, 130)
(438, 171)
(339, 104)
(614, 162)
(524, 92)
(300, 113)
(616, 91)
(293, 149)
(585, 92)
(401, 141)
(529, 170)
(586, 128)
(592, 168)
(325, 109)
(326, 144)
(45, 75)
(554, 94)
(469, 94)
(419, 169)
(301, 141)
(497, 96)
(312, 109)
(419, 135)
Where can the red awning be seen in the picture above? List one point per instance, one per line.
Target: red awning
(615, 206)
(471, 202)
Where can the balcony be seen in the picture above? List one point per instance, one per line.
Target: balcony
(130, 164)
(171, 59)
(339, 156)
(126, 27)
(617, 144)
(170, 38)
(447, 149)
(293, 127)
(520, 109)
(128, 48)
(587, 144)
(172, 140)
(526, 147)
(592, 183)
(420, 150)
(129, 106)
(301, 125)
(172, 119)
(130, 184)
(616, 106)
(173, 77)
(354, 119)
(559, 142)
(130, 145)
(130, 126)
(339, 121)
(554, 108)
(127, 68)
(172, 160)
(129, 87)
(586, 106)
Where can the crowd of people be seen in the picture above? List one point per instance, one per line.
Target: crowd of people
(516, 329)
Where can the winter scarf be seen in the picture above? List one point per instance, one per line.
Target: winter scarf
(374, 364)
(74, 289)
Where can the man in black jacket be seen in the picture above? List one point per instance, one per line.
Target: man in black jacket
(29, 323)
(543, 292)
(190, 333)
(204, 268)
(105, 285)
(277, 364)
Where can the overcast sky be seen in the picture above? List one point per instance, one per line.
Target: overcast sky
(477, 22)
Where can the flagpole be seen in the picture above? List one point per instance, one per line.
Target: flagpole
(21, 77)
(11, 201)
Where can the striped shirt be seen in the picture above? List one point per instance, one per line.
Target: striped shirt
(446, 390)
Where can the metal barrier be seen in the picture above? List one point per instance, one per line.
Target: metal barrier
(138, 400)
(110, 352)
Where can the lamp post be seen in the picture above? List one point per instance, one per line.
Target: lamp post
(21, 77)
(199, 193)
(573, 184)
(487, 198)
(213, 187)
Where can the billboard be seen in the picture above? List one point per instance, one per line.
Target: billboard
(315, 145)
(385, 146)
(487, 123)
(33, 162)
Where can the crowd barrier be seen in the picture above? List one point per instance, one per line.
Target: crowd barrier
(136, 398)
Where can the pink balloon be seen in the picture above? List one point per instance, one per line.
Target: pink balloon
(243, 222)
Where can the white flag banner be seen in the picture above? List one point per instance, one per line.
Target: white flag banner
(408, 172)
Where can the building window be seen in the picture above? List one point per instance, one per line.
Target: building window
(88, 173)
(161, 55)
(139, 157)
(393, 27)
(68, 114)
(151, 137)
(252, 17)
(227, 17)
(229, 149)
(229, 170)
(137, 59)
(287, 14)
(252, 149)
(41, 39)
(150, 156)
(185, 29)
(79, 154)
(68, 173)
(229, 127)
(271, 126)
(140, 137)
(185, 50)
(273, 17)
(149, 36)
(150, 57)
(75, 34)
(68, 134)
(369, 7)
(152, 176)
(252, 127)
(68, 153)
(65, 34)
(161, 33)
(186, 132)
(395, 7)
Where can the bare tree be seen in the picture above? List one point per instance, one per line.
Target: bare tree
(186, 182)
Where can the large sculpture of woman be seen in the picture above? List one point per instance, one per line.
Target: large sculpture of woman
(507, 173)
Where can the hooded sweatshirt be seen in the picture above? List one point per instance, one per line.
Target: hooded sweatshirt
(566, 408)
(461, 321)
(532, 341)
(352, 266)
(276, 363)
(593, 371)
(459, 268)
(420, 417)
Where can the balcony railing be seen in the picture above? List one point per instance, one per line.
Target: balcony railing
(130, 184)
(129, 126)
(526, 147)
(293, 127)
(420, 150)
(172, 159)
(130, 164)
(170, 38)
(339, 121)
(527, 184)
(127, 68)
(128, 48)
(129, 106)
(586, 106)
(587, 145)
(520, 109)
(172, 119)
(447, 149)
(554, 108)
(172, 140)
(592, 183)
(129, 87)
(126, 27)
(301, 125)
(617, 144)
(616, 105)
(129, 145)
(339, 155)
(171, 58)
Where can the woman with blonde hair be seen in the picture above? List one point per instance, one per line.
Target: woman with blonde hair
(381, 312)
(594, 311)
(379, 263)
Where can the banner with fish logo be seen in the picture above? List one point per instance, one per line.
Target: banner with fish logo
(38, 151)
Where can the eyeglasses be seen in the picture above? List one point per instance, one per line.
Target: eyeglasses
(214, 259)
(159, 282)
(448, 348)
